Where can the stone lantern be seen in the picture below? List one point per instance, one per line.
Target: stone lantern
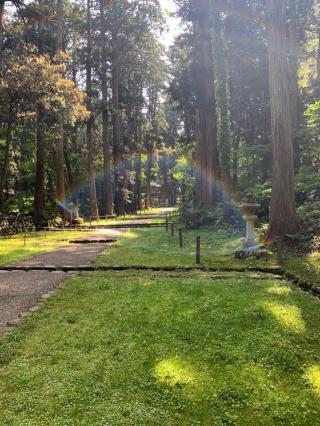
(250, 245)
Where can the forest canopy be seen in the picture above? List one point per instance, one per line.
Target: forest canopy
(99, 113)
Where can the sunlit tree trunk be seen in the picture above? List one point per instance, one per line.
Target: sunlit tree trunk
(282, 211)
(293, 77)
(208, 151)
(223, 114)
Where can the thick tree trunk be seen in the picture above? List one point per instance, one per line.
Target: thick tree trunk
(40, 160)
(295, 101)
(90, 144)
(2, 4)
(5, 165)
(148, 204)
(118, 200)
(318, 66)
(60, 180)
(108, 192)
(223, 114)
(71, 186)
(208, 151)
(282, 211)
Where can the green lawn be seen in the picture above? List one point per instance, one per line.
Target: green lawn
(176, 349)
(156, 247)
(17, 248)
(155, 211)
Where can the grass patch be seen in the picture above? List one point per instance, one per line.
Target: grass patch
(14, 248)
(155, 211)
(156, 247)
(306, 268)
(178, 349)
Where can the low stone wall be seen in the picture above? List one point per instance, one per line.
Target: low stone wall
(15, 224)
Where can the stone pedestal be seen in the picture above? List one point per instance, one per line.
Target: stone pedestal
(250, 240)
(250, 245)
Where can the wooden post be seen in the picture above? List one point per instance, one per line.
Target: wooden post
(172, 229)
(90, 221)
(167, 222)
(198, 253)
(25, 238)
(180, 238)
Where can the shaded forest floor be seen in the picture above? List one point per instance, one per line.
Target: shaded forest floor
(179, 348)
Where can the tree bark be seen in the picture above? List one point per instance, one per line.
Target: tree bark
(293, 78)
(60, 179)
(208, 151)
(115, 71)
(148, 203)
(317, 92)
(108, 192)
(282, 210)
(223, 115)
(2, 4)
(40, 160)
(90, 143)
(4, 168)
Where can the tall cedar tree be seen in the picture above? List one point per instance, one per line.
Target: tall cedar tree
(60, 182)
(90, 140)
(282, 210)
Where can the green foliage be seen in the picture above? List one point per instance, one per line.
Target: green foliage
(195, 217)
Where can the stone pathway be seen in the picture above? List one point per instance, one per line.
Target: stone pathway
(21, 292)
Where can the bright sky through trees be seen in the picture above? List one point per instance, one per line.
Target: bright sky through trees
(173, 23)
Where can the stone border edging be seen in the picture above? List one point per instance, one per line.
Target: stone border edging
(310, 288)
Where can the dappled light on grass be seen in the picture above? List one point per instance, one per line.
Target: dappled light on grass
(312, 375)
(279, 290)
(156, 247)
(172, 348)
(21, 246)
(288, 316)
(175, 371)
(130, 235)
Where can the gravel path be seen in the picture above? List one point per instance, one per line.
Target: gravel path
(21, 291)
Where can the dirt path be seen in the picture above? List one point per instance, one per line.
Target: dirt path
(22, 292)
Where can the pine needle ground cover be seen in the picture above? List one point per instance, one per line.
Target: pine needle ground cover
(136, 348)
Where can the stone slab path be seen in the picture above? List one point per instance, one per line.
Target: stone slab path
(22, 291)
